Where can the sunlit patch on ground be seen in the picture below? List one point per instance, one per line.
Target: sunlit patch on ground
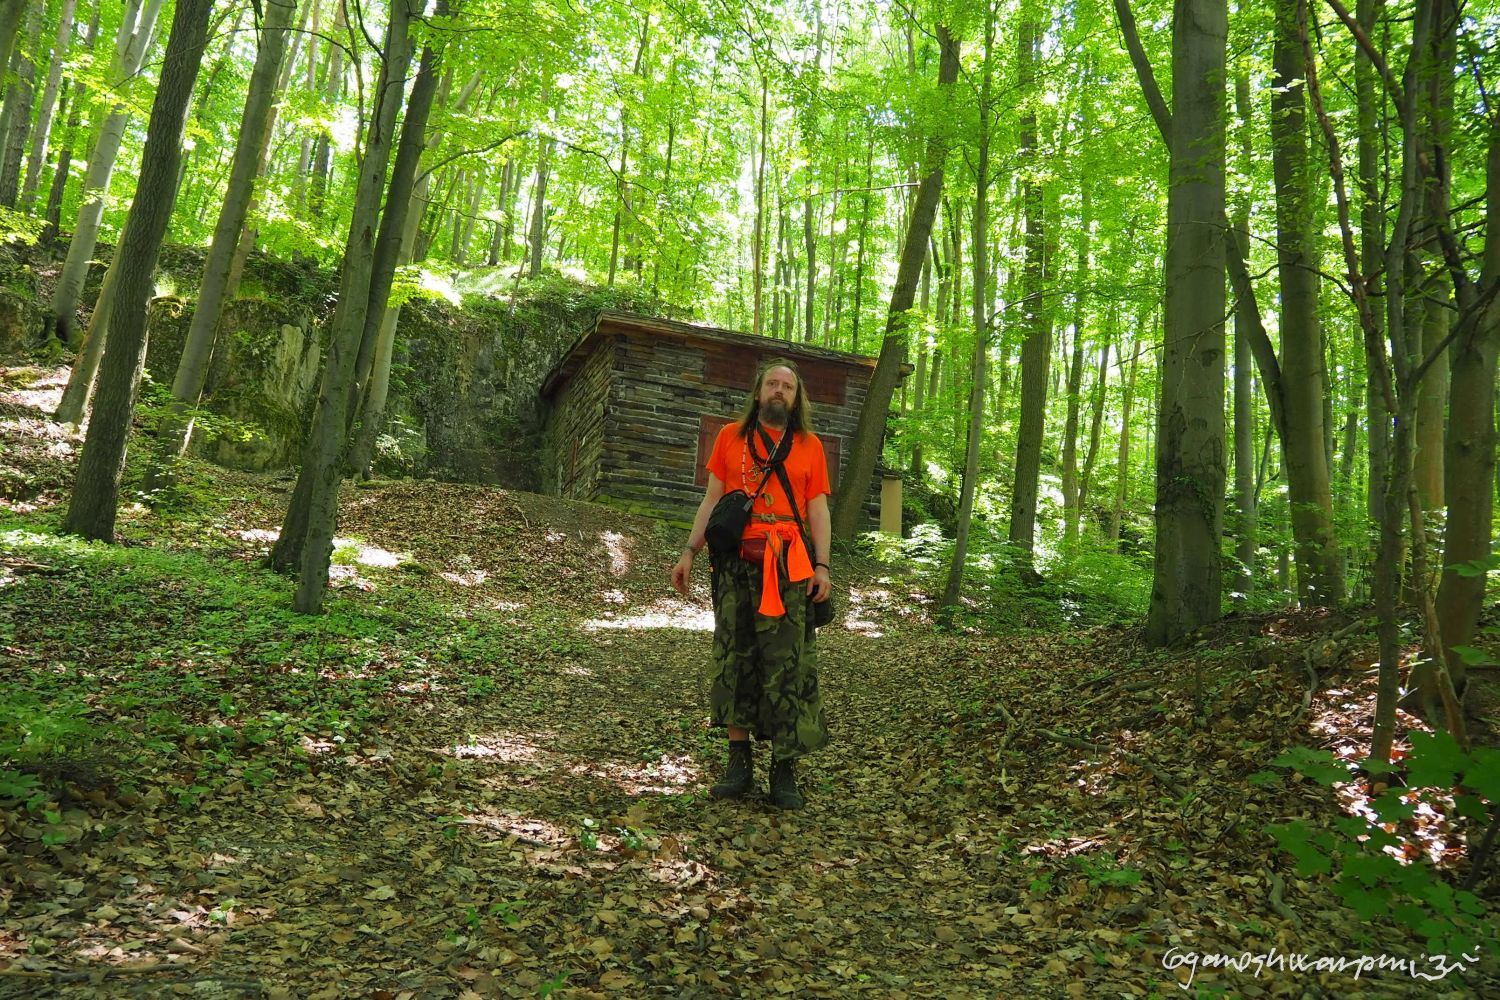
(469, 578)
(313, 746)
(1065, 847)
(1342, 716)
(860, 615)
(665, 613)
(619, 552)
(499, 747)
(666, 775)
(258, 534)
(527, 828)
(42, 390)
(367, 555)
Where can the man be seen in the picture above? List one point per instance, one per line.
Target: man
(765, 658)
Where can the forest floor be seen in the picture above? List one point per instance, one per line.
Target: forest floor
(484, 773)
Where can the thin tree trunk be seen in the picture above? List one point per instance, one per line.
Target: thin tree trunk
(73, 405)
(1303, 376)
(539, 208)
(864, 449)
(322, 462)
(1371, 240)
(333, 80)
(53, 213)
(130, 52)
(864, 233)
(757, 235)
(392, 246)
(192, 365)
(1096, 423)
(1071, 500)
(91, 511)
(309, 84)
(1245, 542)
(1036, 349)
(43, 133)
(372, 418)
(1122, 467)
(19, 111)
(955, 581)
(250, 231)
(11, 12)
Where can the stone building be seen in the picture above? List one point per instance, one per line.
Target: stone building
(632, 410)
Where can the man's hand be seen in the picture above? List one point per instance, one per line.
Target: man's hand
(820, 586)
(682, 572)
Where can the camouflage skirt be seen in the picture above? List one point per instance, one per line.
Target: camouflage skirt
(765, 669)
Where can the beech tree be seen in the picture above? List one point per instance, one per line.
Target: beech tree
(1190, 474)
(91, 510)
(864, 449)
(131, 44)
(192, 367)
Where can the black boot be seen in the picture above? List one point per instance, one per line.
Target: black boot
(740, 774)
(784, 794)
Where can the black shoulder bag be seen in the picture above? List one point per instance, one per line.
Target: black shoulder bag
(727, 521)
(822, 611)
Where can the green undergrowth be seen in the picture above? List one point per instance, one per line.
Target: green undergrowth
(1091, 585)
(124, 656)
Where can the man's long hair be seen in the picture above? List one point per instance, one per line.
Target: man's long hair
(799, 419)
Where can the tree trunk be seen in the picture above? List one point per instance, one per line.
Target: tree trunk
(38, 159)
(1096, 423)
(1122, 467)
(1245, 542)
(372, 419)
(1303, 376)
(1371, 241)
(18, 111)
(73, 405)
(757, 234)
(1071, 505)
(538, 229)
(1472, 441)
(393, 246)
(1434, 92)
(11, 12)
(91, 511)
(975, 433)
(1186, 585)
(322, 461)
(250, 231)
(192, 366)
(309, 84)
(333, 81)
(130, 52)
(864, 234)
(864, 450)
(1036, 348)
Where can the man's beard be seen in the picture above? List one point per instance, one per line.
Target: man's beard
(775, 412)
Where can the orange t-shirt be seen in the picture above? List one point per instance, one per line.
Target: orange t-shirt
(806, 468)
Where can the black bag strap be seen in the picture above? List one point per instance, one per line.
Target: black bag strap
(786, 484)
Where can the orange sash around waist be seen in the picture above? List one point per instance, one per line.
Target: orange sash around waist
(781, 537)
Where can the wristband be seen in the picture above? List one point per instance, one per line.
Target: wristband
(824, 565)
(689, 550)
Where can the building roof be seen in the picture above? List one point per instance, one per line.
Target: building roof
(611, 323)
